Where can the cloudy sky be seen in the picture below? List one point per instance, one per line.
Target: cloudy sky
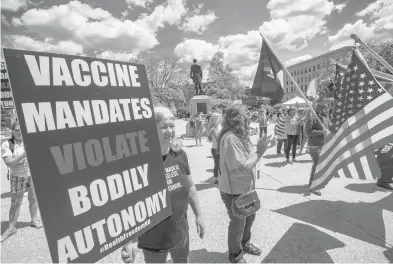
(120, 29)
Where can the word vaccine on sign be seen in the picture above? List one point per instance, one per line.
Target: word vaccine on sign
(90, 134)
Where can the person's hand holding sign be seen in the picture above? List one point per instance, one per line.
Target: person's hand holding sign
(129, 252)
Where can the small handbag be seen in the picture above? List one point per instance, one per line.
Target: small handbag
(245, 204)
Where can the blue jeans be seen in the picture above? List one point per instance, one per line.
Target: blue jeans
(314, 153)
(179, 254)
(239, 230)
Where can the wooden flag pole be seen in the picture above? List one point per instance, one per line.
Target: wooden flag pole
(297, 87)
(376, 56)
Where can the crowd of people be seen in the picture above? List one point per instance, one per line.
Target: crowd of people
(235, 163)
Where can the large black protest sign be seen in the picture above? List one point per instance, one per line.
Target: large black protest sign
(6, 95)
(92, 146)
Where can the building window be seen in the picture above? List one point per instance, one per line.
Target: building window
(301, 79)
(287, 82)
(301, 87)
(287, 90)
(305, 87)
(298, 72)
(291, 82)
(309, 78)
(305, 70)
(301, 71)
(309, 69)
(318, 66)
(313, 68)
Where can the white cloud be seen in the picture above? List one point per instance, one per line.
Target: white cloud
(379, 27)
(140, 3)
(27, 43)
(298, 59)
(116, 56)
(171, 13)
(241, 52)
(13, 5)
(194, 48)
(294, 23)
(198, 22)
(4, 21)
(94, 28)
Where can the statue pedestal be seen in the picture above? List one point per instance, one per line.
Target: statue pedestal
(199, 104)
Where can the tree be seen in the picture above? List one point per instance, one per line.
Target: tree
(384, 49)
(226, 84)
(166, 78)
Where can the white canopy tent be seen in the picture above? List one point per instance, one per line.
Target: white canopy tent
(297, 101)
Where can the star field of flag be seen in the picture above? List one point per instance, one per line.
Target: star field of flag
(356, 88)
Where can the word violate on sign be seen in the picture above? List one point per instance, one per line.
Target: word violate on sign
(91, 123)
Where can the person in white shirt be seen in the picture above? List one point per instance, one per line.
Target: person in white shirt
(14, 156)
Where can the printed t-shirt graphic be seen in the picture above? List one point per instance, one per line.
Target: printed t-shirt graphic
(172, 231)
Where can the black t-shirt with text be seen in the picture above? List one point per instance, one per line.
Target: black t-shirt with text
(171, 231)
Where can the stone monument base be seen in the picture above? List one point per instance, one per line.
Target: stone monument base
(199, 104)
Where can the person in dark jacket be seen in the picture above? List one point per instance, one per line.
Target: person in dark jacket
(385, 161)
(196, 75)
(316, 138)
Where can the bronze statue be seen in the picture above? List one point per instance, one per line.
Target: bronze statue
(196, 76)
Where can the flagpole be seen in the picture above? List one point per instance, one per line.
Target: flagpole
(293, 81)
(376, 56)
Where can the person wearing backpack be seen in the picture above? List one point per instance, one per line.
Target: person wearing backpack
(14, 156)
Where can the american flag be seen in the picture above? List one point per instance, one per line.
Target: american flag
(362, 123)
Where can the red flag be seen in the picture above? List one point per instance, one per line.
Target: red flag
(266, 83)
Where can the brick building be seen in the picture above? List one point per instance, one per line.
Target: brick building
(305, 71)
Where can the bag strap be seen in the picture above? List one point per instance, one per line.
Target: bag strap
(229, 181)
(11, 145)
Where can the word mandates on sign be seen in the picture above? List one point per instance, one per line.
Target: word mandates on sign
(92, 146)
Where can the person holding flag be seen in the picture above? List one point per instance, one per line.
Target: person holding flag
(316, 136)
(362, 123)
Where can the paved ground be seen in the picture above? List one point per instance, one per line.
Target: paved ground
(351, 222)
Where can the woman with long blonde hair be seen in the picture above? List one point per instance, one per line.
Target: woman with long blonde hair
(171, 236)
(214, 130)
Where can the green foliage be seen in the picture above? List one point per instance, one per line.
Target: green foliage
(166, 78)
(226, 85)
(384, 49)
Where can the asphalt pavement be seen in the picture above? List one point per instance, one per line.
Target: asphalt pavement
(352, 222)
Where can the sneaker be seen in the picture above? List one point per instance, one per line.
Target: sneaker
(232, 260)
(36, 223)
(287, 161)
(252, 250)
(294, 160)
(316, 192)
(385, 185)
(8, 233)
(215, 183)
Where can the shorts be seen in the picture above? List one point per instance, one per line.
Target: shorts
(20, 184)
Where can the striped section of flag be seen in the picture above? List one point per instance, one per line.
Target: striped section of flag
(349, 152)
(280, 128)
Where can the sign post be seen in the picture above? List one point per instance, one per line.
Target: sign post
(91, 142)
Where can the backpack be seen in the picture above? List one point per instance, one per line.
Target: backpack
(11, 145)
(192, 123)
